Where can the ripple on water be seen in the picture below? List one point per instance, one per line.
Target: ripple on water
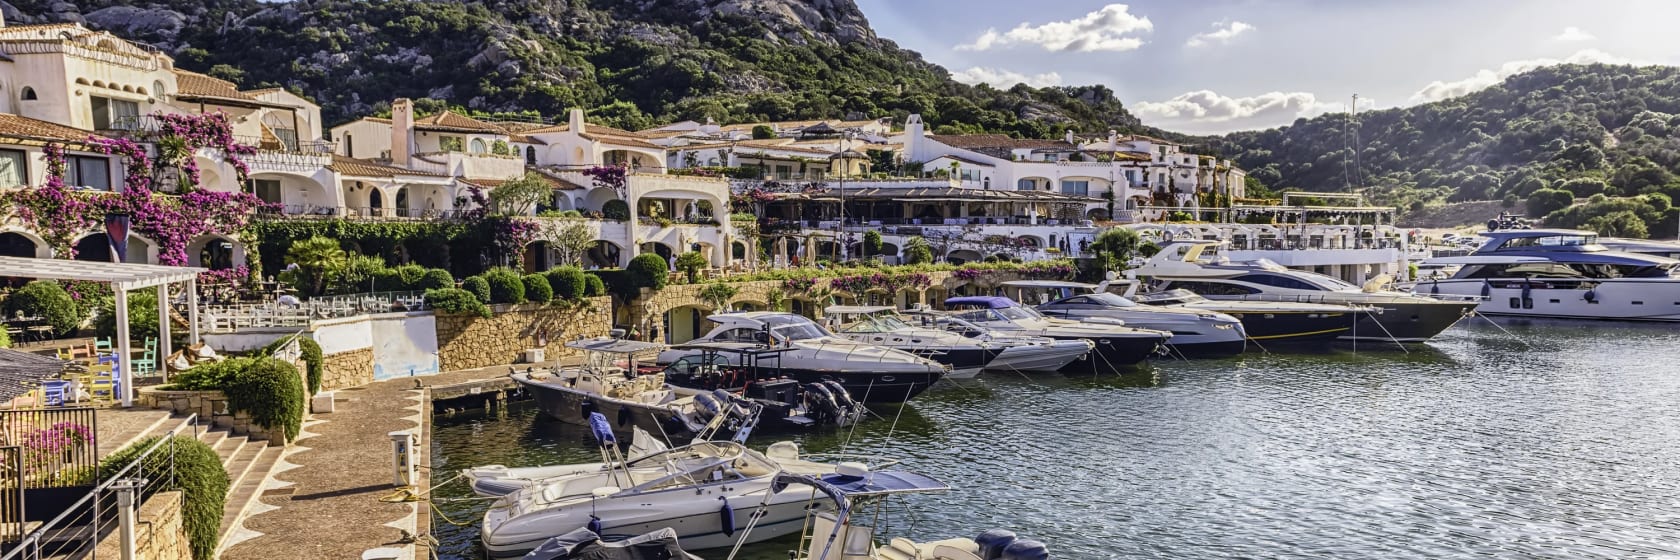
(1558, 440)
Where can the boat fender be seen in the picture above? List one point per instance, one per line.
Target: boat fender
(594, 524)
(726, 518)
(992, 542)
(1591, 296)
(1435, 287)
(1025, 549)
(587, 408)
(1487, 289)
(624, 416)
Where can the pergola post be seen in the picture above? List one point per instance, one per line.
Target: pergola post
(125, 363)
(161, 361)
(192, 311)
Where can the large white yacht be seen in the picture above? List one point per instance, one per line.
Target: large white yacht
(1392, 316)
(1565, 274)
(1195, 332)
(880, 325)
(1116, 345)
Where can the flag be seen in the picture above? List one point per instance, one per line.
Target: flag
(116, 231)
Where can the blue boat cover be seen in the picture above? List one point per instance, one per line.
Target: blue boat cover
(988, 302)
(603, 431)
(839, 486)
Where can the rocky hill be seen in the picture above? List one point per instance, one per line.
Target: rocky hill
(631, 62)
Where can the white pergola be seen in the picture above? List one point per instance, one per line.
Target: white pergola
(123, 278)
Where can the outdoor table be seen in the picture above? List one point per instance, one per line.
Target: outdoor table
(56, 392)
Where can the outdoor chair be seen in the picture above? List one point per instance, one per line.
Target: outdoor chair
(103, 386)
(103, 347)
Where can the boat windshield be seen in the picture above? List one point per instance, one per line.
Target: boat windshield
(794, 327)
(1588, 242)
(877, 323)
(1111, 300)
(1170, 296)
(1016, 313)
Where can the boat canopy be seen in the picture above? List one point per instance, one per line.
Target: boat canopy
(987, 302)
(614, 345)
(878, 483)
(857, 309)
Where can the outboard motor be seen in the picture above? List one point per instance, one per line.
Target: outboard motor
(841, 395)
(709, 407)
(992, 543)
(1025, 549)
(821, 401)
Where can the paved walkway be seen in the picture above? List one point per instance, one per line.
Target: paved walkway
(119, 427)
(324, 501)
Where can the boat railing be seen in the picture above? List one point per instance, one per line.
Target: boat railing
(875, 462)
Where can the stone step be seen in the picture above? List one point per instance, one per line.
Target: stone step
(240, 463)
(213, 438)
(230, 444)
(244, 494)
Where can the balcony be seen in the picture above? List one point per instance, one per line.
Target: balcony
(363, 213)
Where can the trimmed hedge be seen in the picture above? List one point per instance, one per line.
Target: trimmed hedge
(48, 300)
(568, 282)
(615, 210)
(313, 359)
(209, 377)
(506, 286)
(434, 279)
(270, 390)
(199, 476)
(647, 270)
(593, 286)
(537, 288)
(457, 301)
(477, 286)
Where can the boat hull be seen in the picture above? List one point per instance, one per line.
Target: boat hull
(1113, 352)
(1211, 349)
(1615, 300)
(573, 407)
(965, 362)
(699, 527)
(1270, 327)
(1408, 321)
(1040, 358)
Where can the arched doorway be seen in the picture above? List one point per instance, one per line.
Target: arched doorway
(602, 254)
(402, 204)
(963, 256)
(530, 155)
(13, 244)
(660, 249)
(684, 324)
(538, 257)
(94, 248)
(376, 200)
(215, 252)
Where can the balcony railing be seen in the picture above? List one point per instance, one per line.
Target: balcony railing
(311, 211)
(289, 146)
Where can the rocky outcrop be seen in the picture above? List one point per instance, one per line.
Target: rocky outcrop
(131, 21)
(829, 21)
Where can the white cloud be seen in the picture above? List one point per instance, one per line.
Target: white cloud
(1573, 34)
(1107, 29)
(1223, 33)
(1210, 106)
(1001, 78)
(1439, 90)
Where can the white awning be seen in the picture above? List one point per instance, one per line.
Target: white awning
(121, 276)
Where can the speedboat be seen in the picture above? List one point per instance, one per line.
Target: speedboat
(1116, 345)
(1195, 332)
(1020, 353)
(871, 374)
(498, 480)
(1388, 315)
(847, 506)
(584, 544)
(701, 490)
(1266, 321)
(1563, 274)
(755, 374)
(611, 382)
(880, 325)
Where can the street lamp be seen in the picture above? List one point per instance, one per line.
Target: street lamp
(844, 157)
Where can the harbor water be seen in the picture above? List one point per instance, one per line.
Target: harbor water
(1552, 440)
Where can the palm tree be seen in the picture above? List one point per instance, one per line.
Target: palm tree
(315, 259)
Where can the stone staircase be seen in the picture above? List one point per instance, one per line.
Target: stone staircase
(248, 463)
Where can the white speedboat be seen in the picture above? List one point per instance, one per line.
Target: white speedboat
(701, 490)
(811, 354)
(1020, 353)
(1195, 332)
(1562, 274)
(1115, 345)
(612, 382)
(880, 325)
(499, 480)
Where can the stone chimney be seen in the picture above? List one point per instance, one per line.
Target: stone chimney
(1068, 137)
(1113, 140)
(575, 121)
(402, 131)
(914, 136)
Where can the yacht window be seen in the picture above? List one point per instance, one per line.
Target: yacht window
(1109, 300)
(794, 327)
(1171, 297)
(1018, 313)
(1277, 281)
(1588, 241)
(1076, 300)
(1214, 288)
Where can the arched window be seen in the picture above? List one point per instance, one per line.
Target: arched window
(28, 93)
(530, 155)
(157, 88)
(477, 146)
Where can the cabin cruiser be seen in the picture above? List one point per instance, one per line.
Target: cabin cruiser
(611, 381)
(1116, 345)
(1392, 316)
(880, 325)
(848, 505)
(1563, 274)
(1195, 332)
(1266, 321)
(1020, 353)
(700, 490)
(871, 374)
(755, 374)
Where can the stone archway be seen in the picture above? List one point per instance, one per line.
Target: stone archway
(19, 244)
(603, 254)
(684, 323)
(216, 252)
(961, 256)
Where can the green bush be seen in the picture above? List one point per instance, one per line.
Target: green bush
(5, 339)
(198, 474)
(477, 286)
(690, 264)
(48, 300)
(142, 318)
(435, 278)
(593, 286)
(209, 377)
(1546, 201)
(270, 390)
(569, 282)
(456, 301)
(537, 288)
(647, 270)
(313, 359)
(408, 276)
(506, 286)
(615, 210)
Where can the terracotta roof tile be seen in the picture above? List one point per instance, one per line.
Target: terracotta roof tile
(364, 168)
(24, 127)
(452, 121)
(193, 84)
(590, 128)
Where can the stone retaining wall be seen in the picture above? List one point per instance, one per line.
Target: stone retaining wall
(468, 341)
(210, 406)
(347, 369)
(159, 531)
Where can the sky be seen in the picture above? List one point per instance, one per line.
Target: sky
(1210, 66)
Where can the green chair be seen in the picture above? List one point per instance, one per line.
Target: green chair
(146, 361)
(103, 347)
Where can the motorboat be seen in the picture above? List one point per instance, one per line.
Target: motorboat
(499, 480)
(584, 544)
(1115, 345)
(1196, 332)
(1563, 273)
(848, 506)
(871, 374)
(755, 374)
(1020, 353)
(881, 325)
(701, 491)
(1266, 322)
(1385, 315)
(611, 381)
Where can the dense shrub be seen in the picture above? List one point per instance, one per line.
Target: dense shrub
(48, 300)
(506, 286)
(1546, 201)
(615, 210)
(435, 278)
(313, 359)
(209, 376)
(198, 474)
(5, 339)
(568, 282)
(690, 264)
(593, 286)
(537, 288)
(142, 318)
(477, 286)
(271, 391)
(456, 301)
(647, 270)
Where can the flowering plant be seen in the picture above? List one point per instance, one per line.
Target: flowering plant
(44, 450)
(798, 285)
(609, 176)
(855, 284)
(966, 273)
